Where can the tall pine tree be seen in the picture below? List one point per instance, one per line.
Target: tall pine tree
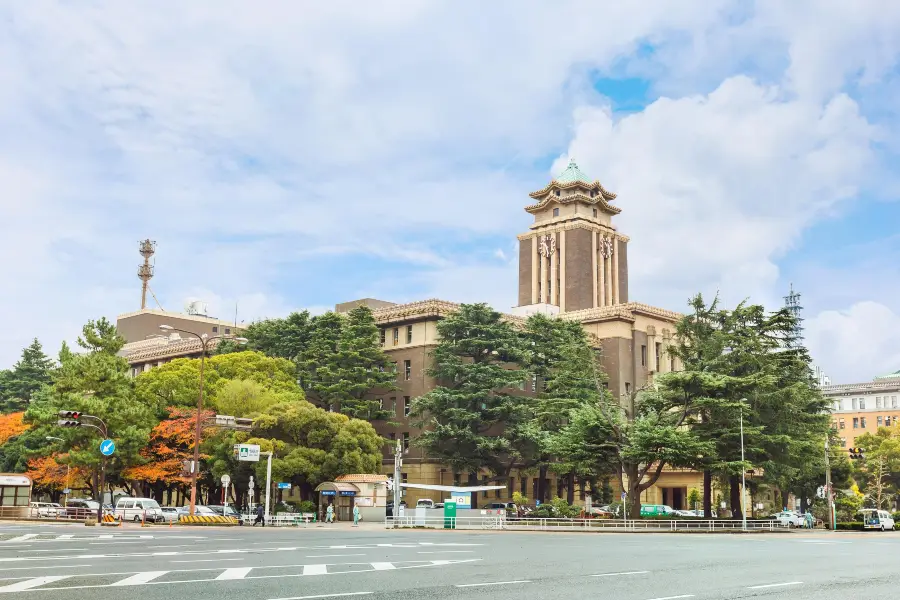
(33, 371)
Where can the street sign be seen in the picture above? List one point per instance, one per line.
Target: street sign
(449, 515)
(67, 491)
(248, 452)
(284, 486)
(226, 479)
(107, 447)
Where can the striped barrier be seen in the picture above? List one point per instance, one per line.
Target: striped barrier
(206, 520)
(110, 521)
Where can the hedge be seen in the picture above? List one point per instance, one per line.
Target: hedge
(850, 525)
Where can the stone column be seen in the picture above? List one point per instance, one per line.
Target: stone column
(594, 265)
(608, 289)
(602, 283)
(615, 268)
(562, 270)
(543, 288)
(554, 271)
(535, 257)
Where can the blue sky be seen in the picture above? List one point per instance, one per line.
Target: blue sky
(289, 155)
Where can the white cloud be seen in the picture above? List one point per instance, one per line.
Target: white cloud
(856, 344)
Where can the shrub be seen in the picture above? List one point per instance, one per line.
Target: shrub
(849, 525)
(896, 516)
(306, 506)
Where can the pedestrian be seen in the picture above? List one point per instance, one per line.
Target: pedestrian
(260, 516)
(329, 514)
(355, 516)
(809, 520)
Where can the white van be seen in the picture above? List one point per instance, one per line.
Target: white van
(138, 509)
(877, 519)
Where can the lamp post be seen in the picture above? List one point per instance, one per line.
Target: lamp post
(743, 473)
(204, 344)
(66, 494)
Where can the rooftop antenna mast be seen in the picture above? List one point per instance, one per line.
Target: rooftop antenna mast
(145, 271)
(792, 303)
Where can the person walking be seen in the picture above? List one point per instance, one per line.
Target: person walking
(329, 514)
(355, 516)
(260, 516)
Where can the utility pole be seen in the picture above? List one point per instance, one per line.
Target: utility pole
(828, 495)
(398, 462)
(743, 473)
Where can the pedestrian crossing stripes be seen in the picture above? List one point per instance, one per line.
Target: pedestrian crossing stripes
(102, 580)
(66, 537)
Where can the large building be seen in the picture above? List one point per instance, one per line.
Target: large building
(859, 408)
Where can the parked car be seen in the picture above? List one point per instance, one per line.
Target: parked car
(656, 510)
(598, 513)
(230, 512)
(139, 509)
(43, 509)
(170, 514)
(789, 518)
(876, 519)
(199, 510)
(425, 503)
(81, 508)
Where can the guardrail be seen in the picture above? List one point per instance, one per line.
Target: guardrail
(542, 524)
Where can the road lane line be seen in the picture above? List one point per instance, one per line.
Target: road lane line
(622, 573)
(31, 583)
(238, 573)
(22, 538)
(383, 566)
(51, 567)
(332, 555)
(446, 552)
(465, 585)
(324, 596)
(139, 578)
(315, 569)
(216, 560)
(674, 597)
(771, 585)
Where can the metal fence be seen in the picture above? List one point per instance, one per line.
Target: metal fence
(541, 524)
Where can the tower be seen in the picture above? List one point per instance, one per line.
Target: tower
(145, 271)
(792, 303)
(572, 256)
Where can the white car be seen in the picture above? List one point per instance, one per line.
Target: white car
(170, 514)
(44, 509)
(139, 509)
(877, 519)
(789, 519)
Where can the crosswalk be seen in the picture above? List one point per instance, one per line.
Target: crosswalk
(185, 576)
(67, 537)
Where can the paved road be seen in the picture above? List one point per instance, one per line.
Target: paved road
(75, 563)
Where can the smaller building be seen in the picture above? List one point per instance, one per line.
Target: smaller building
(364, 490)
(859, 408)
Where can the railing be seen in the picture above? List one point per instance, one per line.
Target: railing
(542, 524)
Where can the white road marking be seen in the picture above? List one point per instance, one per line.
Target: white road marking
(622, 573)
(383, 566)
(51, 550)
(315, 569)
(333, 555)
(238, 573)
(30, 583)
(325, 596)
(140, 578)
(465, 585)
(22, 538)
(50, 567)
(446, 552)
(674, 597)
(215, 560)
(175, 546)
(66, 536)
(771, 585)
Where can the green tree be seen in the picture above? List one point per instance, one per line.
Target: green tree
(315, 360)
(349, 377)
(241, 398)
(281, 338)
(878, 473)
(471, 418)
(33, 371)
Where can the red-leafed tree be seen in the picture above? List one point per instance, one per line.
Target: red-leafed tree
(51, 476)
(171, 443)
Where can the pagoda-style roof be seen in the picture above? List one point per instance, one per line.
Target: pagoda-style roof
(573, 179)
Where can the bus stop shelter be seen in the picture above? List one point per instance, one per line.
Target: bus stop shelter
(341, 495)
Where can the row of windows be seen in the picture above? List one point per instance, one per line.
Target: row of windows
(405, 438)
(395, 336)
(860, 422)
(216, 330)
(392, 405)
(658, 357)
(860, 403)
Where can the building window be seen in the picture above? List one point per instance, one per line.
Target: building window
(879, 421)
(595, 213)
(407, 369)
(555, 212)
(878, 402)
(394, 405)
(893, 401)
(406, 404)
(658, 355)
(855, 422)
(841, 423)
(643, 355)
(409, 334)
(227, 330)
(855, 403)
(843, 443)
(557, 192)
(405, 441)
(534, 383)
(382, 336)
(671, 363)
(862, 404)
(392, 437)
(396, 335)
(862, 422)
(215, 329)
(627, 388)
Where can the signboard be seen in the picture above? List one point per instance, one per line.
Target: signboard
(284, 486)
(248, 452)
(449, 515)
(364, 502)
(14, 480)
(107, 447)
(461, 499)
(67, 491)
(328, 493)
(348, 493)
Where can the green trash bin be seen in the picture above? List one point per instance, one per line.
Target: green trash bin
(449, 515)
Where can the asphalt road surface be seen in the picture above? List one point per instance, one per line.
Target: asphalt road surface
(205, 563)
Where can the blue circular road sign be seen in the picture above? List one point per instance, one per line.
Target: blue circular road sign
(107, 447)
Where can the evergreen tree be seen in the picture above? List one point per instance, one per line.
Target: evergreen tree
(471, 417)
(33, 371)
(281, 338)
(65, 353)
(315, 364)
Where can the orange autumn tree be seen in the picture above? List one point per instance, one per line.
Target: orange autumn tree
(171, 443)
(49, 475)
(12, 425)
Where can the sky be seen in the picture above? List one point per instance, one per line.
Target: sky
(295, 154)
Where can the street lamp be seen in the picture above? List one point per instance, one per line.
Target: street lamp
(68, 466)
(743, 473)
(204, 343)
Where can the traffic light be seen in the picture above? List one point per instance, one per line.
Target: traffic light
(69, 418)
(857, 453)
